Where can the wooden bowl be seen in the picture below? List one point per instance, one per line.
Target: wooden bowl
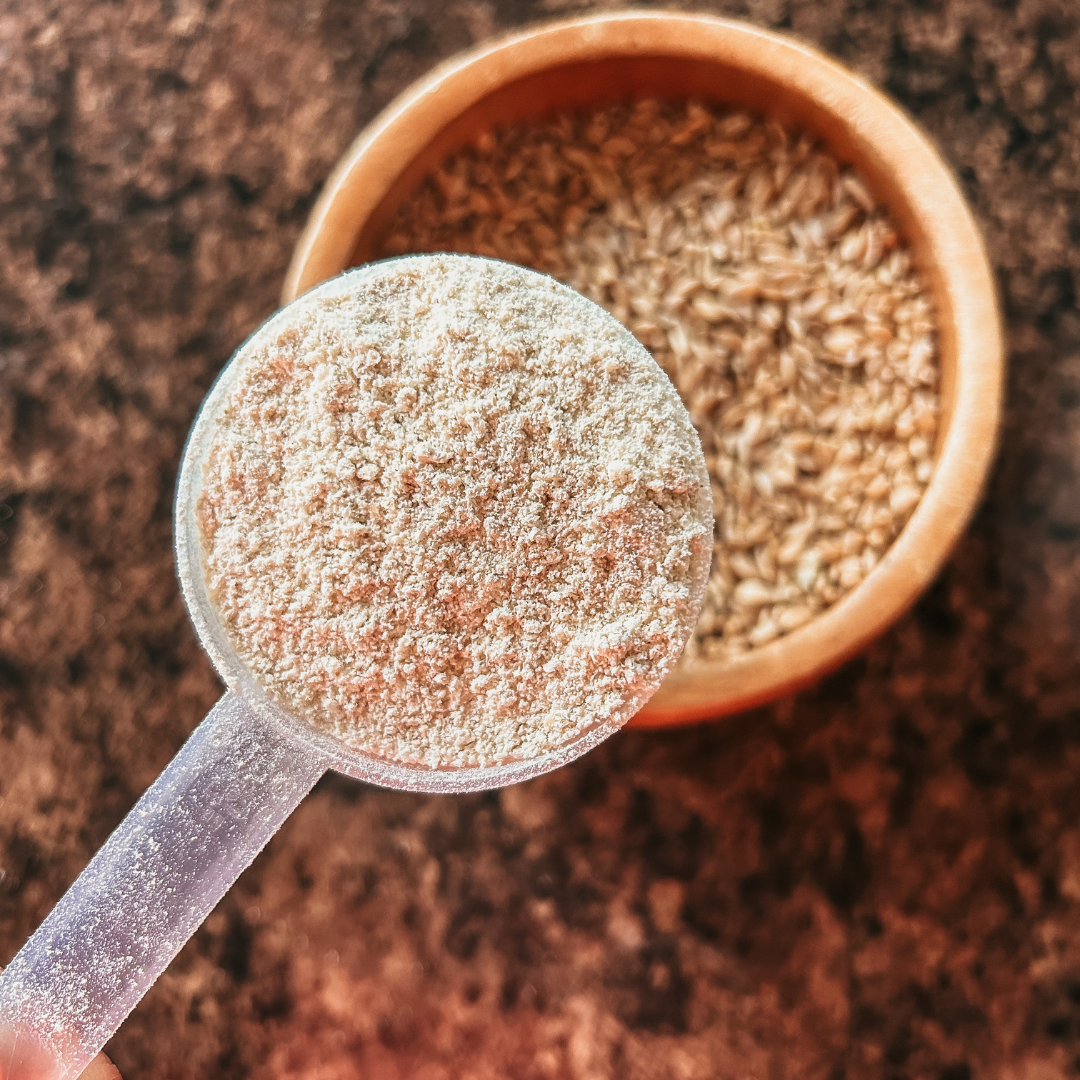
(602, 59)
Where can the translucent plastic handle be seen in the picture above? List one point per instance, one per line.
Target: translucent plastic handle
(148, 889)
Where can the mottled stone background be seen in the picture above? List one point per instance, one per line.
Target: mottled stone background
(879, 878)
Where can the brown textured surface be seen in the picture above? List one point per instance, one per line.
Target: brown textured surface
(880, 878)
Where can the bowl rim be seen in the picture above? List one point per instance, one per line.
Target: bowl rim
(881, 130)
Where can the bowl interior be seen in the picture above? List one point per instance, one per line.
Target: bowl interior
(613, 79)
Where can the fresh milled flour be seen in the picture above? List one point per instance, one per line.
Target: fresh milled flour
(453, 513)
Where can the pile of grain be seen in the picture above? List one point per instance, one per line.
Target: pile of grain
(775, 294)
(453, 513)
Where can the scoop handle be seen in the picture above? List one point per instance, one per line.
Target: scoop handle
(169, 862)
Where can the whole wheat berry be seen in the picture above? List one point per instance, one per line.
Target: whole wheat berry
(775, 293)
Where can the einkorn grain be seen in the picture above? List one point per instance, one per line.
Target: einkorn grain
(773, 291)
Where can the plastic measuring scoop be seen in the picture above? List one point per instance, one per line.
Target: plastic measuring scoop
(237, 778)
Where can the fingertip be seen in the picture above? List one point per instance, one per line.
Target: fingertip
(101, 1068)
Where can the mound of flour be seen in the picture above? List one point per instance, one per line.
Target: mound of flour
(453, 513)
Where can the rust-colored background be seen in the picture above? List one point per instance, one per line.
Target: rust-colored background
(879, 878)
